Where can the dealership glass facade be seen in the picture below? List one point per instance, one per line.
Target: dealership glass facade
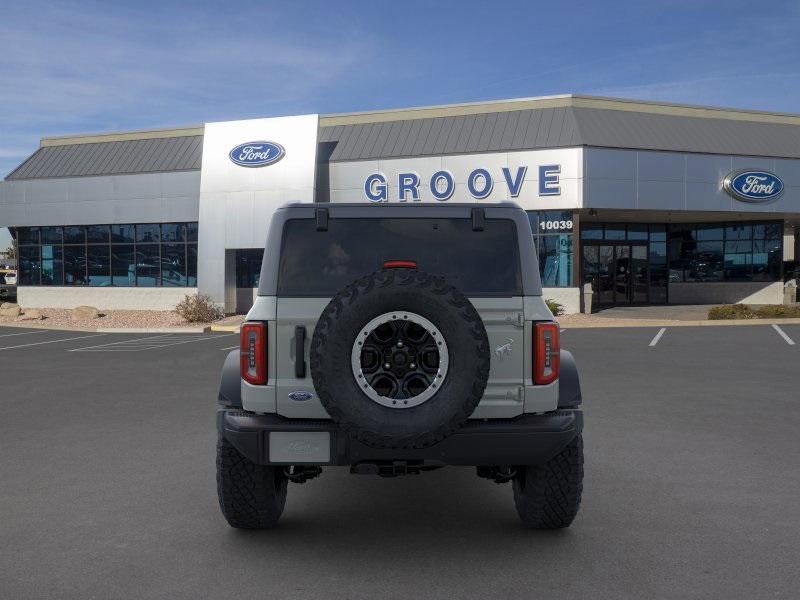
(726, 252)
(633, 263)
(553, 235)
(133, 255)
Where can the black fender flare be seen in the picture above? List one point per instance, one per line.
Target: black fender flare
(569, 384)
(230, 385)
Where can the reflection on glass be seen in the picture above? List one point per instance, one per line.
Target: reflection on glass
(97, 234)
(74, 235)
(591, 231)
(103, 255)
(122, 234)
(615, 231)
(29, 264)
(148, 265)
(555, 260)
(51, 235)
(173, 265)
(99, 265)
(74, 265)
(123, 266)
(52, 265)
(148, 233)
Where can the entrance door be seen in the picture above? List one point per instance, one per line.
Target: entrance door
(618, 272)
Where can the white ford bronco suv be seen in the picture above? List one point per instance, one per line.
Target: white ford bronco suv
(397, 339)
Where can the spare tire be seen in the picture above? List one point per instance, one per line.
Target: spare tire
(400, 359)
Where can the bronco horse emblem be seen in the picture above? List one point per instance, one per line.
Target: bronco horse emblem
(504, 350)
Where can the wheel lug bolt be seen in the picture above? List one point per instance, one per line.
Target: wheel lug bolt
(413, 366)
(400, 344)
(386, 366)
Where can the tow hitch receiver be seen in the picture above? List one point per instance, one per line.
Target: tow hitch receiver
(392, 469)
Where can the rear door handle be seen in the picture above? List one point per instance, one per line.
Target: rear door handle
(300, 352)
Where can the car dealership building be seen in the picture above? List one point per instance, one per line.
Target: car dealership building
(650, 203)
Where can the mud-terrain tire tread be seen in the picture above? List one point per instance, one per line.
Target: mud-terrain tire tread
(549, 496)
(424, 282)
(251, 496)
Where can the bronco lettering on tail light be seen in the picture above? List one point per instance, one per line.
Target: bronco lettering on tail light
(546, 353)
(253, 353)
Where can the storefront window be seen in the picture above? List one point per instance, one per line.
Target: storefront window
(30, 264)
(75, 265)
(148, 254)
(99, 265)
(148, 265)
(97, 234)
(52, 265)
(173, 265)
(726, 252)
(51, 235)
(123, 265)
(74, 235)
(122, 234)
(553, 232)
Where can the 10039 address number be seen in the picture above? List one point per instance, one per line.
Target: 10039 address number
(556, 225)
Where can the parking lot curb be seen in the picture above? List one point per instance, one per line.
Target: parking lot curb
(608, 323)
(227, 328)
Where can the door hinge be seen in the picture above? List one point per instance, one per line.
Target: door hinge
(517, 321)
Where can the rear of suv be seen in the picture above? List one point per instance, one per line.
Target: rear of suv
(396, 339)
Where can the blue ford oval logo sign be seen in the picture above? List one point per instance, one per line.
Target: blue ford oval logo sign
(753, 186)
(300, 396)
(257, 154)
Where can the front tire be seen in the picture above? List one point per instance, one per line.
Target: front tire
(251, 496)
(548, 496)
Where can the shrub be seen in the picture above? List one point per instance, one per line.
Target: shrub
(198, 308)
(731, 311)
(555, 307)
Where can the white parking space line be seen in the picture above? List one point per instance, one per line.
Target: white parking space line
(152, 337)
(782, 333)
(231, 348)
(657, 337)
(82, 337)
(24, 333)
(147, 343)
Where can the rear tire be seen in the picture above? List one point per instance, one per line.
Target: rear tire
(548, 496)
(251, 496)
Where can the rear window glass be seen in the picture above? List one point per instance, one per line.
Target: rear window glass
(320, 263)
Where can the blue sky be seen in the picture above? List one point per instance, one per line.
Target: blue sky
(74, 67)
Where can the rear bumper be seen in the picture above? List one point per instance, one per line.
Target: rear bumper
(525, 440)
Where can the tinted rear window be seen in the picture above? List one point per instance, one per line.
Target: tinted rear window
(320, 263)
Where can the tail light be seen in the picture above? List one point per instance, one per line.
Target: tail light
(546, 353)
(400, 264)
(253, 353)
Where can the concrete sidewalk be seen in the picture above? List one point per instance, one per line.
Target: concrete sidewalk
(659, 316)
(694, 312)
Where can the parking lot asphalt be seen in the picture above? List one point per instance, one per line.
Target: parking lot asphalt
(692, 460)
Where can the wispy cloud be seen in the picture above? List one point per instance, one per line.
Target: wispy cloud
(68, 67)
(78, 67)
